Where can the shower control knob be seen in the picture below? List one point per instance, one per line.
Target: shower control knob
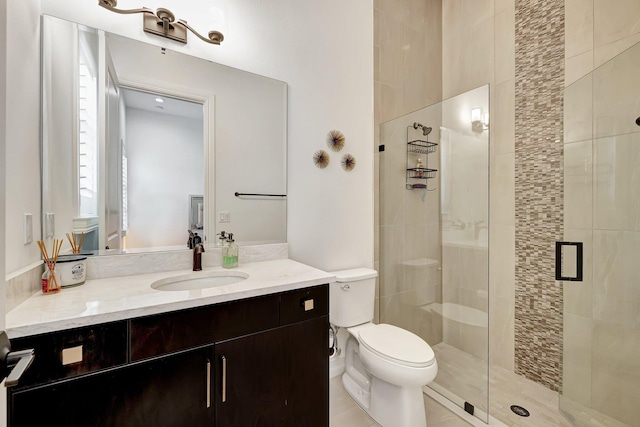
(345, 287)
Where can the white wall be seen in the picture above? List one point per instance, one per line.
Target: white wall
(60, 127)
(22, 99)
(159, 185)
(324, 51)
(3, 140)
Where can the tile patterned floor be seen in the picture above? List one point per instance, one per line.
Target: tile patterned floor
(458, 372)
(343, 411)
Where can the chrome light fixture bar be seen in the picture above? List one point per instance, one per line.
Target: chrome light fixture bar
(163, 23)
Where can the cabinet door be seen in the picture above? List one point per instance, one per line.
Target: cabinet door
(275, 378)
(171, 391)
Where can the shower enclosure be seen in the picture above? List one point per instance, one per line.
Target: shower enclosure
(601, 356)
(434, 219)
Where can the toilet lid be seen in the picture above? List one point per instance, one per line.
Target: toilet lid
(397, 345)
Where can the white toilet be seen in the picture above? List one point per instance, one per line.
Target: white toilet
(385, 366)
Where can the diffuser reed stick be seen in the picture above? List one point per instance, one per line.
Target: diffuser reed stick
(52, 283)
(76, 244)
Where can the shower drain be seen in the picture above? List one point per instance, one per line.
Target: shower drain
(519, 410)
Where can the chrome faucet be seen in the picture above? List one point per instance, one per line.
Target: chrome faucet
(198, 249)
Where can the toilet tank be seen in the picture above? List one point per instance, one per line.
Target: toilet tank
(352, 297)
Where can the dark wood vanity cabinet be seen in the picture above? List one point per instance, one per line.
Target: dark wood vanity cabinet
(282, 372)
(168, 391)
(256, 362)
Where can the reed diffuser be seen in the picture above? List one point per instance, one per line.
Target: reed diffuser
(50, 283)
(75, 242)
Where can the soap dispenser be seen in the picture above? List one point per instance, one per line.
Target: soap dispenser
(230, 253)
(222, 240)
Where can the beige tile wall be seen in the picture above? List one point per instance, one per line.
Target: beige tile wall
(601, 326)
(465, 56)
(479, 48)
(407, 75)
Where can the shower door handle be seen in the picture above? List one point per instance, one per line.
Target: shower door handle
(572, 252)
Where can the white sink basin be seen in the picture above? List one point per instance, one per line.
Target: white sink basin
(201, 280)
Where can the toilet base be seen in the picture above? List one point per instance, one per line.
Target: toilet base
(397, 406)
(389, 405)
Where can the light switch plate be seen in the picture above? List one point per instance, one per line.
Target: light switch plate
(224, 216)
(28, 228)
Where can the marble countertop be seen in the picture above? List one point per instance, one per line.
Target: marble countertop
(118, 298)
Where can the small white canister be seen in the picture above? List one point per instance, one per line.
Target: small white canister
(70, 270)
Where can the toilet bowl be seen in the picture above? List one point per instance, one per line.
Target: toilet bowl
(385, 366)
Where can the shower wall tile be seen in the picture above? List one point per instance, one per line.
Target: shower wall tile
(392, 170)
(616, 106)
(578, 185)
(501, 327)
(616, 366)
(615, 23)
(477, 55)
(615, 278)
(607, 52)
(578, 295)
(577, 67)
(503, 118)
(504, 47)
(502, 261)
(578, 110)
(540, 55)
(392, 240)
(476, 12)
(616, 197)
(578, 27)
(391, 101)
(576, 375)
(503, 189)
(391, 39)
(504, 5)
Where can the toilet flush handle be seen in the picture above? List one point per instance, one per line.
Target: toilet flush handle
(345, 287)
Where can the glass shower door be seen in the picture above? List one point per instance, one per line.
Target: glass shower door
(434, 253)
(601, 351)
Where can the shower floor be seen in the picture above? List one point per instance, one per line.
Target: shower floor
(465, 375)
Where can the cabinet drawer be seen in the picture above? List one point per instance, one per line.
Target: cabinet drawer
(73, 352)
(169, 332)
(304, 304)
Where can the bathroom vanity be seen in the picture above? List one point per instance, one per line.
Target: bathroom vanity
(246, 354)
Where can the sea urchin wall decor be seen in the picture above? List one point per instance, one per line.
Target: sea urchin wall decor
(335, 140)
(321, 159)
(348, 162)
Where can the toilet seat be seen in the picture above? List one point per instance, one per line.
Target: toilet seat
(396, 345)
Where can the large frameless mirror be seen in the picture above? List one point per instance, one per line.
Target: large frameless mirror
(141, 145)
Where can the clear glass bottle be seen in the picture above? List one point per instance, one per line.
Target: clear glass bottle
(230, 253)
(222, 240)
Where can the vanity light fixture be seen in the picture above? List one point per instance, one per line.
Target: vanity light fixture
(163, 23)
(479, 121)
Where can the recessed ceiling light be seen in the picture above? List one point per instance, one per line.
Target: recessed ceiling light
(159, 100)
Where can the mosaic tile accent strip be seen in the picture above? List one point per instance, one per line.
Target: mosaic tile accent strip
(539, 188)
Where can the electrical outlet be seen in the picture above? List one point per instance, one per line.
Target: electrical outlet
(28, 228)
(224, 216)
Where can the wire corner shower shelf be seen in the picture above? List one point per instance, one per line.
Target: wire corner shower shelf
(419, 146)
